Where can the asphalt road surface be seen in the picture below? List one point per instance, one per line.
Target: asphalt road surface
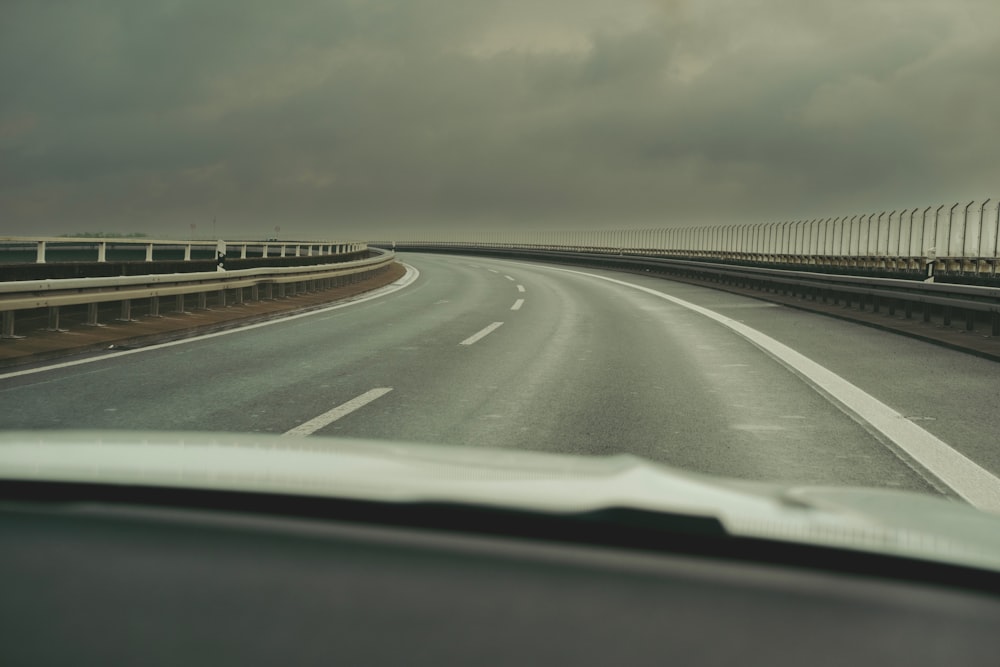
(498, 353)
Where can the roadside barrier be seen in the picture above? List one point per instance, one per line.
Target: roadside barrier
(221, 288)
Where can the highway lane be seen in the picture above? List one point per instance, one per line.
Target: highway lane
(552, 360)
(949, 393)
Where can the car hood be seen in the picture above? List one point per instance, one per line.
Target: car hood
(875, 520)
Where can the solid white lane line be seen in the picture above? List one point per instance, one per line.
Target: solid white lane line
(520, 288)
(508, 278)
(330, 416)
(517, 304)
(965, 477)
(485, 332)
(411, 275)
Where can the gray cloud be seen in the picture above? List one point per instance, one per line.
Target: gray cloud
(391, 116)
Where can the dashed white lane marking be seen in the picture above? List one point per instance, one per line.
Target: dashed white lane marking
(517, 304)
(411, 275)
(508, 278)
(330, 416)
(485, 332)
(492, 270)
(520, 288)
(965, 477)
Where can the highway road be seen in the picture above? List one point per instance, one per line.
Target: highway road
(499, 353)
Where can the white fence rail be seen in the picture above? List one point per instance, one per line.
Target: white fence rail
(97, 248)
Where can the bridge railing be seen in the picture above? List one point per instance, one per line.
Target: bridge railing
(42, 249)
(957, 238)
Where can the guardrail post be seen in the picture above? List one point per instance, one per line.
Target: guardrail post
(54, 320)
(179, 303)
(102, 252)
(149, 252)
(202, 300)
(126, 311)
(92, 315)
(7, 326)
(243, 251)
(222, 297)
(154, 306)
(187, 253)
(40, 252)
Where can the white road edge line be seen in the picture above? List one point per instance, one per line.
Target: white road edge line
(520, 288)
(330, 416)
(411, 275)
(482, 334)
(969, 480)
(517, 304)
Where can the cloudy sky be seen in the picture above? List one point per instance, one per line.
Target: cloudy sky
(365, 118)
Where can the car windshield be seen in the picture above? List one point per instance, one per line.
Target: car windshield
(752, 240)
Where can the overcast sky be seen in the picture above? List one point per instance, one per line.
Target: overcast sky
(366, 118)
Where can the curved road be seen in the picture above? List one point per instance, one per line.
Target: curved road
(498, 353)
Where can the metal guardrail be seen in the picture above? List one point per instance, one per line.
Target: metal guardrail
(953, 300)
(96, 248)
(54, 294)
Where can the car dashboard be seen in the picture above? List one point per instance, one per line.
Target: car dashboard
(95, 574)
